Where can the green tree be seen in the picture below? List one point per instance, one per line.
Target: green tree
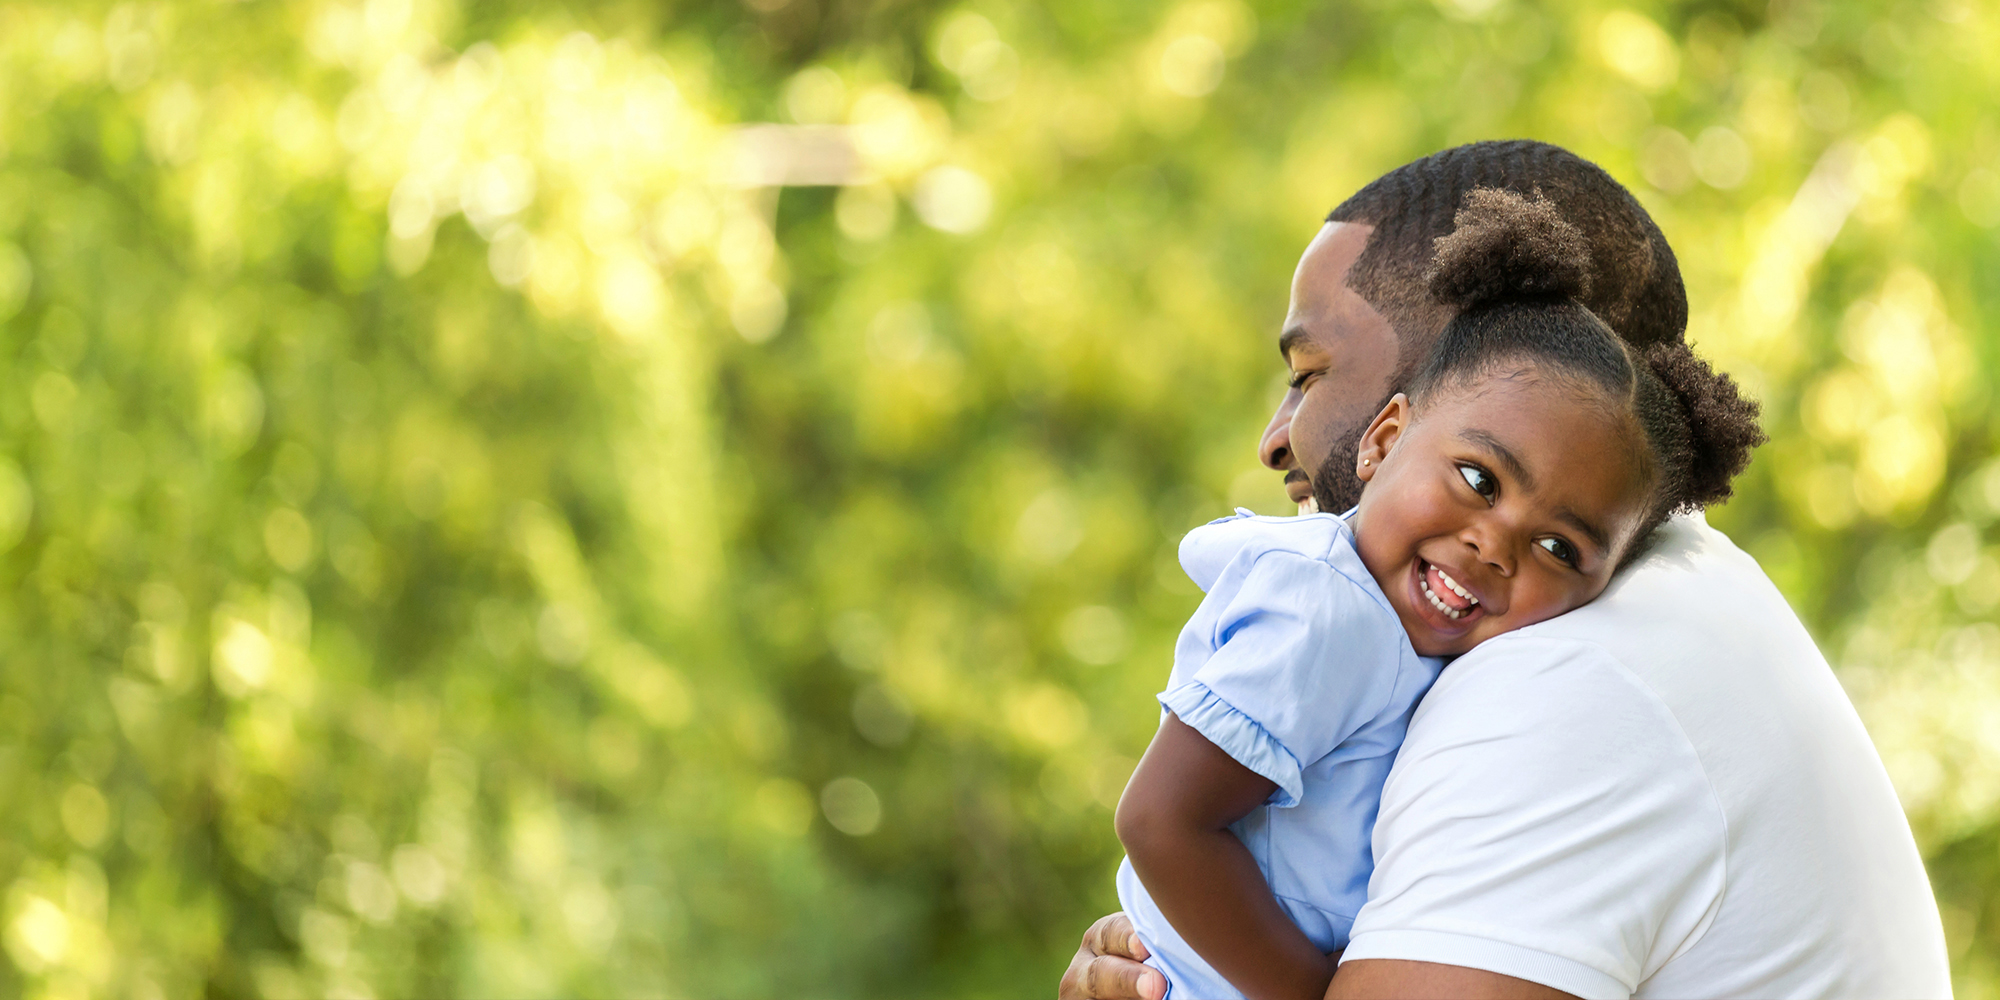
(479, 520)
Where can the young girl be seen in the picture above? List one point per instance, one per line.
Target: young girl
(1532, 457)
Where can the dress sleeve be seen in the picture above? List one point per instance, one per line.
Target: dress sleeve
(1546, 819)
(1303, 658)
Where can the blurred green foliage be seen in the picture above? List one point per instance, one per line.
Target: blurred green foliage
(470, 531)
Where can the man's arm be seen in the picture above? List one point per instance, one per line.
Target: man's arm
(1393, 980)
(1106, 967)
(1174, 820)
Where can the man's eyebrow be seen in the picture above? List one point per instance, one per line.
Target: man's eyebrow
(1290, 340)
(1503, 453)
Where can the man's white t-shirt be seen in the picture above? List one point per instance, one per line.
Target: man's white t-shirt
(1662, 794)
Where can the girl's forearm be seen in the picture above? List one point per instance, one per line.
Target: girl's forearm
(1209, 887)
(1174, 820)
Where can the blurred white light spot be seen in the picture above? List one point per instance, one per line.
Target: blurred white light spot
(411, 207)
(1469, 9)
(85, 814)
(1978, 198)
(1192, 65)
(16, 276)
(591, 915)
(816, 96)
(989, 71)
(370, 893)
(479, 71)
(243, 658)
(881, 716)
(173, 125)
(758, 311)
(1824, 102)
(632, 296)
(325, 937)
(576, 63)
(53, 399)
(495, 191)
(1049, 529)
(784, 807)
(684, 221)
(865, 212)
(562, 633)
(1721, 158)
(511, 258)
(1047, 714)
(1633, 45)
(953, 199)
(1953, 553)
(851, 806)
(1666, 160)
(419, 874)
(288, 539)
(17, 504)
(39, 934)
(958, 37)
(1095, 634)
(899, 333)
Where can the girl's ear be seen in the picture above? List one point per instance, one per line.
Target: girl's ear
(1381, 436)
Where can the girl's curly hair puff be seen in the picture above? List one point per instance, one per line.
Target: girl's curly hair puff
(1516, 272)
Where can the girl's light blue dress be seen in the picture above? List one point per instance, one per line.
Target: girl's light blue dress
(1296, 665)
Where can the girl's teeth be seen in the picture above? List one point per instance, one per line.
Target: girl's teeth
(1455, 588)
(1449, 611)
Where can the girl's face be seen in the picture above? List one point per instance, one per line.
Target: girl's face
(1510, 501)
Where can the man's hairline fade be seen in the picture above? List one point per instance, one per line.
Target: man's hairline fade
(1651, 302)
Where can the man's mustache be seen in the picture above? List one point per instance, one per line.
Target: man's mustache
(1296, 476)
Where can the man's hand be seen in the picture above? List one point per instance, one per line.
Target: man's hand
(1106, 966)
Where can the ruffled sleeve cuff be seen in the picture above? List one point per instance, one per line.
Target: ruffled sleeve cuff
(1239, 736)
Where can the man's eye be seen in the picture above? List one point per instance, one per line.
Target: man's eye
(1559, 548)
(1298, 379)
(1481, 482)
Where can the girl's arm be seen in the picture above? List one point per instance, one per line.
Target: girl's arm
(1174, 821)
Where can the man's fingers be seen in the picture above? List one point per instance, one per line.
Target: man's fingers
(1107, 966)
(1113, 935)
(1134, 948)
(1109, 977)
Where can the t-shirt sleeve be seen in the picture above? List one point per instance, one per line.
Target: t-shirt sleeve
(1303, 657)
(1546, 819)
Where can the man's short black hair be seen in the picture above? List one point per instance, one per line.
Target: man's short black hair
(1635, 283)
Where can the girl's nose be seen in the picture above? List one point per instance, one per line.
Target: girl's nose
(1488, 545)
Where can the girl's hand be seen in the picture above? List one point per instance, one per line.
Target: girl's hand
(1106, 966)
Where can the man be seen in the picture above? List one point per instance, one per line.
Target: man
(1664, 793)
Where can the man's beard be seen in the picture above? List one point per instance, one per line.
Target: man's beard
(1335, 486)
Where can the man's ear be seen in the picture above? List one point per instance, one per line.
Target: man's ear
(1381, 436)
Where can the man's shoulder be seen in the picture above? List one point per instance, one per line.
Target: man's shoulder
(1694, 596)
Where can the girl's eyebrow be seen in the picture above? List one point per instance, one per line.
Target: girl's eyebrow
(1501, 452)
(1593, 532)
(1505, 457)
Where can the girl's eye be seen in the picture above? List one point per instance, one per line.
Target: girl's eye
(1481, 482)
(1560, 549)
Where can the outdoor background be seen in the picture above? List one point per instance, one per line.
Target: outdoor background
(471, 530)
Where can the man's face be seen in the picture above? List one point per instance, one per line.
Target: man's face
(1342, 354)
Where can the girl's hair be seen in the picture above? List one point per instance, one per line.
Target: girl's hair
(1517, 272)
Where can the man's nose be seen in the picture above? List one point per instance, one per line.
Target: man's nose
(1275, 450)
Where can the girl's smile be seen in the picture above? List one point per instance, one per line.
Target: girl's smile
(1508, 500)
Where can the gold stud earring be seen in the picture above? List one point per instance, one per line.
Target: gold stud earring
(1367, 462)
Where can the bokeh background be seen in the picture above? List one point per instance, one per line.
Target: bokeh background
(680, 499)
